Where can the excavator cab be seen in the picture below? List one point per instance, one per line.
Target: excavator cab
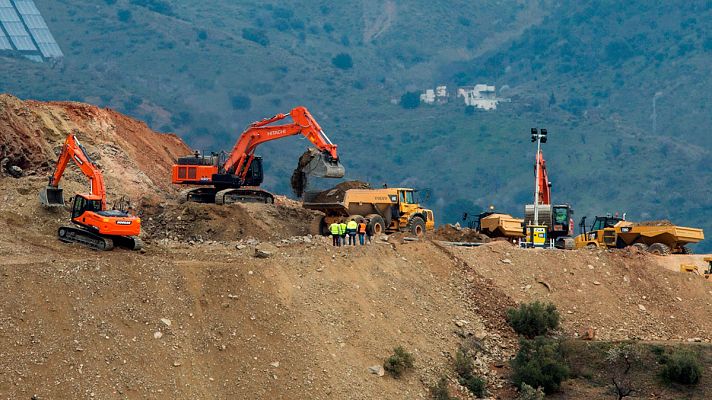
(84, 203)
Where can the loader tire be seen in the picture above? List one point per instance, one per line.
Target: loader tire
(416, 227)
(659, 249)
(377, 226)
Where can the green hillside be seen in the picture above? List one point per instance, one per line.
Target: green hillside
(587, 71)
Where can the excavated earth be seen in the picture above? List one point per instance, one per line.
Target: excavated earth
(242, 302)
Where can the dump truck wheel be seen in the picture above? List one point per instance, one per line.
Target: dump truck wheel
(417, 226)
(687, 250)
(591, 246)
(640, 246)
(357, 218)
(377, 226)
(659, 249)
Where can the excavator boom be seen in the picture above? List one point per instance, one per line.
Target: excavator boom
(52, 196)
(260, 132)
(242, 168)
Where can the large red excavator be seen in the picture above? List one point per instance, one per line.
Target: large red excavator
(97, 227)
(557, 218)
(236, 177)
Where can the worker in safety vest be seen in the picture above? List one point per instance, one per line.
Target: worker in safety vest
(342, 233)
(351, 229)
(334, 230)
(362, 232)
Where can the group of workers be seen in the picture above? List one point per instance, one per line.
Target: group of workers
(340, 231)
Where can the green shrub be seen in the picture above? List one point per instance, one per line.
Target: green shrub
(256, 35)
(529, 393)
(342, 61)
(465, 368)
(124, 15)
(682, 367)
(399, 362)
(410, 100)
(240, 102)
(540, 363)
(440, 391)
(534, 319)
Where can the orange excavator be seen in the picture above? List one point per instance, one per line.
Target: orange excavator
(557, 218)
(96, 227)
(236, 177)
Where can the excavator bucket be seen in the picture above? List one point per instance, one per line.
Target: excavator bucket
(314, 163)
(51, 197)
(320, 167)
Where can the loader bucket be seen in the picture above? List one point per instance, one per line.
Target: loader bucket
(320, 167)
(51, 197)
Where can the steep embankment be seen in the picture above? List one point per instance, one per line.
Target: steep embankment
(134, 159)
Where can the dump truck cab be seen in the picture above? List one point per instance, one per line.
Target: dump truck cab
(601, 233)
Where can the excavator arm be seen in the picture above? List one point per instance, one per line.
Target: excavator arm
(543, 184)
(243, 153)
(74, 151)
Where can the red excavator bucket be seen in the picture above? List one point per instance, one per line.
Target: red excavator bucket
(51, 197)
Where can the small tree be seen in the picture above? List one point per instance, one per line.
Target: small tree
(342, 61)
(399, 362)
(441, 391)
(241, 102)
(621, 359)
(540, 363)
(466, 377)
(682, 367)
(529, 393)
(534, 319)
(124, 15)
(410, 100)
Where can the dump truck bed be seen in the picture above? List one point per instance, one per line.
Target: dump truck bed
(507, 225)
(669, 234)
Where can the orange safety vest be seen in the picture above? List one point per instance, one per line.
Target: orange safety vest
(362, 228)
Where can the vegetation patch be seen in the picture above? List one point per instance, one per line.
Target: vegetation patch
(398, 363)
(535, 319)
(540, 363)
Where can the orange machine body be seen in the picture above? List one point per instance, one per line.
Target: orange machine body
(242, 155)
(89, 210)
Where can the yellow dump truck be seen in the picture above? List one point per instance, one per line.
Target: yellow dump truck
(387, 210)
(612, 232)
(500, 225)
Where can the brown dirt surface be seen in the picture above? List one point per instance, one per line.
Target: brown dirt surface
(337, 193)
(202, 222)
(661, 222)
(135, 160)
(621, 294)
(452, 233)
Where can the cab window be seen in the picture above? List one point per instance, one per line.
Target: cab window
(561, 216)
(409, 197)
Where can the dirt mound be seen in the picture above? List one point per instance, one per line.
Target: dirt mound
(203, 222)
(662, 222)
(135, 160)
(337, 193)
(453, 233)
(622, 295)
